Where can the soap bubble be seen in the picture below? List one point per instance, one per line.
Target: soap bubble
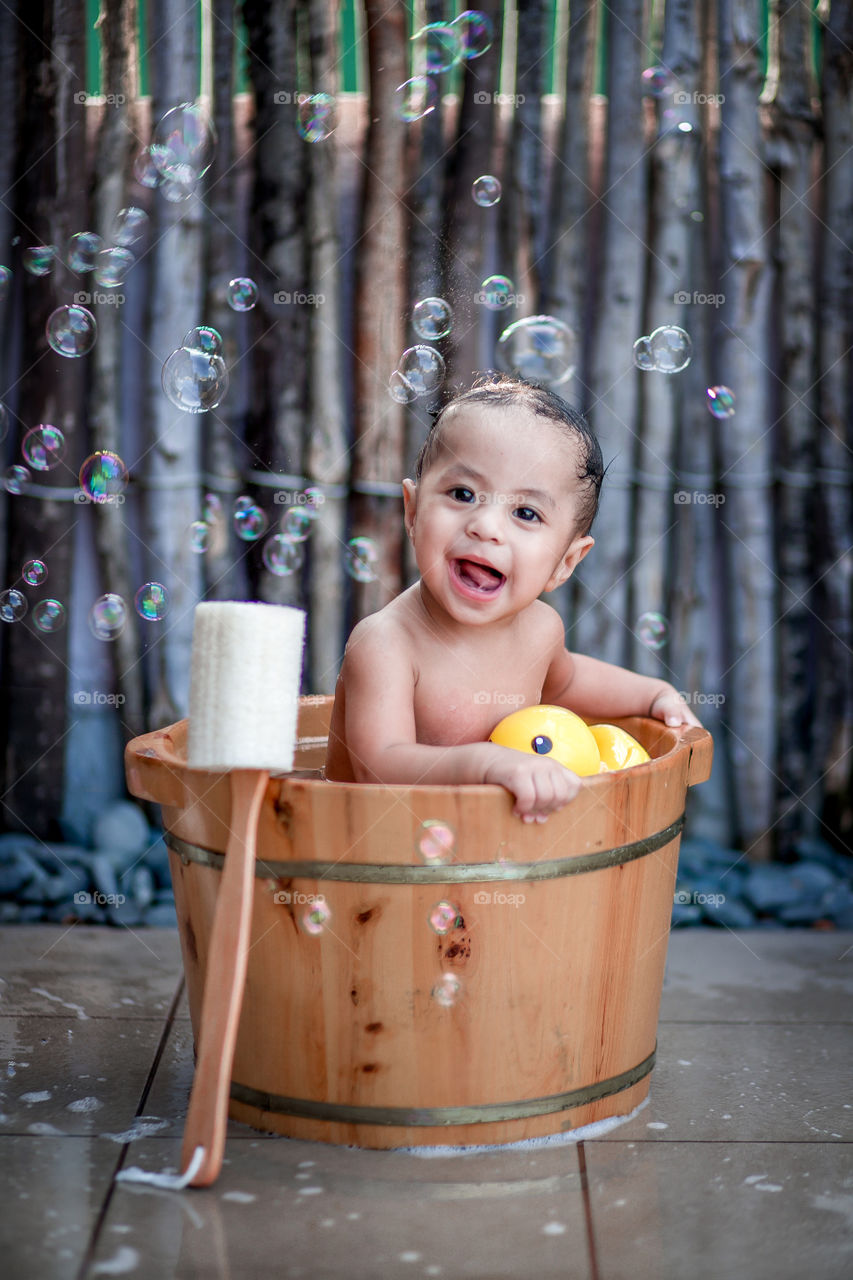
(475, 31)
(486, 190)
(199, 537)
(314, 499)
(5, 281)
(435, 842)
(34, 572)
(362, 558)
(82, 251)
(437, 47)
(183, 143)
(212, 508)
(204, 338)
(39, 259)
(112, 266)
(281, 555)
(446, 990)
(145, 170)
(432, 318)
(721, 401)
(671, 348)
(107, 617)
(14, 479)
(416, 98)
(497, 293)
(49, 616)
(194, 381)
(43, 447)
(316, 917)
(71, 331)
(423, 368)
(103, 476)
(296, 523)
(242, 294)
(317, 117)
(541, 348)
(13, 605)
(443, 917)
(643, 357)
(400, 389)
(176, 192)
(657, 82)
(152, 601)
(653, 630)
(250, 522)
(129, 226)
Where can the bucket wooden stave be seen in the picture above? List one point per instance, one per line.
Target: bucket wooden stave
(535, 1012)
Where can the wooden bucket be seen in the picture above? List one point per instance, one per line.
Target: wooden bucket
(524, 1006)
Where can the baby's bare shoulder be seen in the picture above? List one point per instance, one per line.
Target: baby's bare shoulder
(544, 624)
(384, 632)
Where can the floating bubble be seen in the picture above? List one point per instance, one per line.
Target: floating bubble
(475, 33)
(183, 143)
(194, 381)
(316, 917)
(71, 331)
(437, 47)
(416, 98)
(5, 281)
(423, 368)
(14, 479)
(212, 508)
(49, 616)
(112, 266)
(145, 170)
(653, 630)
(497, 293)
(435, 842)
(721, 401)
(400, 389)
(362, 559)
(314, 499)
(671, 348)
(243, 503)
(4, 421)
(242, 294)
(13, 605)
(446, 990)
(317, 117)
(107, 617)
(34, 572)
(540, 348)
(199, 537)
(204, 338)
(103, 476)
(697, 215)
(432, 318)
(39, 259)
(82, 251)
(443, 917)
(486, 190)
(152, 601)
(296, 523)
(281, 555)
(657, 82)
(643, 357)
(43, 447)
(250, 522)
(176, 192)
(129, 226)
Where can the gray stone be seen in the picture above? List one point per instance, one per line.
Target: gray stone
(769, 887)
(104, 876)
(161, 916)
(121, 831)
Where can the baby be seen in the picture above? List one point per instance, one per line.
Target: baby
(505, 492)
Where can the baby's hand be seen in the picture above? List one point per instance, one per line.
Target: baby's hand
(540, 785)
(670, 707)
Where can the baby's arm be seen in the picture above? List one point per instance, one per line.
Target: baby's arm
(594, 688)
(381, 740)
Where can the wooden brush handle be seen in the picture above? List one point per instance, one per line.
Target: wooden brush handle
(228, 954)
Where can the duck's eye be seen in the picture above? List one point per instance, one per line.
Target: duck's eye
(541, 745)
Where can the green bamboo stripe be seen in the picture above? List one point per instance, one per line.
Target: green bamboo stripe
(427, 1117)
(469, 873)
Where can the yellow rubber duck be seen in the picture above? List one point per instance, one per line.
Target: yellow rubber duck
(553, 731)
(616, 747)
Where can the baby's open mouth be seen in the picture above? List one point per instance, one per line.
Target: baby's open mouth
(478, 577)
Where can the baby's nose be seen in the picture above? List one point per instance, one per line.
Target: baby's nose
(484, 520)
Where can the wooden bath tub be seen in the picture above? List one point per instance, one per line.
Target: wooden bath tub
(526, 1005)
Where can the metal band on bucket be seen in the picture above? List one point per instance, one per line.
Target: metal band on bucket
(469, 873)
(430, 1117)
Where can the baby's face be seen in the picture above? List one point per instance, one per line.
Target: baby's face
(493, 521)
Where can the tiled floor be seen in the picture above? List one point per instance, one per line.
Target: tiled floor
(741, 1165)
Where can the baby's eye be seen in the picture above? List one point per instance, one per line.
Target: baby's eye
(527, 514)
(461, 493)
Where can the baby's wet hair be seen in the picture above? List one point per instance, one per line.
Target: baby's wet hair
(505, 392)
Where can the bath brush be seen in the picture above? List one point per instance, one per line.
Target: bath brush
(244, 698)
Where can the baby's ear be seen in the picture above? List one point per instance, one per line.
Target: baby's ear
(410, 502)
(578, 548)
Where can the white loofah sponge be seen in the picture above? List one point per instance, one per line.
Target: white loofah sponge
(244, 686)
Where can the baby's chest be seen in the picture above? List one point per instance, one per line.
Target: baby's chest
(456, 706)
